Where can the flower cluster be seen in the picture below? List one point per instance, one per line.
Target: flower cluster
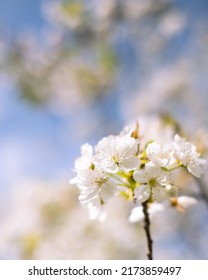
(123, 166)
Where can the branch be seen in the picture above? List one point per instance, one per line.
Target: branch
(147, 230)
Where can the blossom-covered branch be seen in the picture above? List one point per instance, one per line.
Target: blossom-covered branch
(127, 166)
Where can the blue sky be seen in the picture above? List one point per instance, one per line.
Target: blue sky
(19, 14)
(33, 141)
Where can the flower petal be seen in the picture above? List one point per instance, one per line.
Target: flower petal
(142, 193)
(130, 163)
(141, 176)
(196, 167)
(159, 193)
(136, 214)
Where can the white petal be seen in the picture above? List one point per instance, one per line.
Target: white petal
(130, 163)
(107, 190)
(97, 213)
(74, 180)
(131, 147)
(86, 150)
(111, 167)
(85, 160)
(153, 150)
(136, 214)
(142, 193)
(154, 170)
(179, 140)
(159, 194)
(86, 198)
(196, 167)
(155, 208)
(141, 176)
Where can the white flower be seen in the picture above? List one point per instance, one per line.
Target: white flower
(116, 153)
(84, 162)
(137, 212)
(150, 128)
(96, 188)
(181, 203)
(162, 155)
(153, 181)
(97, 212)
(186, 153)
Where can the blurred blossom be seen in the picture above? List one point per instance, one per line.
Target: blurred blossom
(62, 71)
(103, 9)
(186, 201)
(138, 215)
(152, 127)
(201, 136)
(172, 23)
(164, 85)
(181, 204)
(139, 9)
(42, 223)
(68, 13)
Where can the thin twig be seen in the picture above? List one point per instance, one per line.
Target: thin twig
(147, 230)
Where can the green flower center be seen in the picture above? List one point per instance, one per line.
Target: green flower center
(116, 159)
(152, 182)
(101, 181)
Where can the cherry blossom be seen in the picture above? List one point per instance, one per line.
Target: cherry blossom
(162, 155)
(186, 152)
(153, 181)
(96, 188)
(116, 153)
(133, 167)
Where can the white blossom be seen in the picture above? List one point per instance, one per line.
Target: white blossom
(137, 212)
(116, 153)
(84, 162)
(183, 202)
(186, 201)
(97, 212)
(153, 181)
(186, 152)
(96, 188)
(150, 128)
(115, 169)
(162, 155)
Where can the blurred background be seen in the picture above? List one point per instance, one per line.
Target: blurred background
(73, 71)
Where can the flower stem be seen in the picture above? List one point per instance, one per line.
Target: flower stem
(147, 230)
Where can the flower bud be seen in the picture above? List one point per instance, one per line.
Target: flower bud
(172, 191)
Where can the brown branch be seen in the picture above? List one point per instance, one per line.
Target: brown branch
(147, 230)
